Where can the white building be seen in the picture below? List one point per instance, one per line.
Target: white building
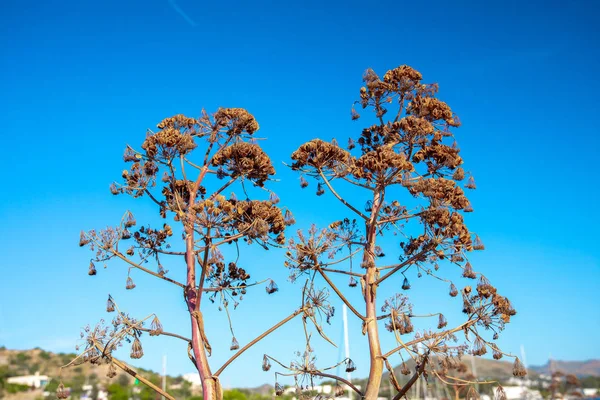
(521, 392)
(37, 381)
(87, 393)
(194, 379)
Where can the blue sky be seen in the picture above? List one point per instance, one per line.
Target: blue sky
(82, 79)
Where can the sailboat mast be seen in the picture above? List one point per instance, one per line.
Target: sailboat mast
(346, 344)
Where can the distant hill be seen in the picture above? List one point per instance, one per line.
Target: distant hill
(579, 368)
(46, 363)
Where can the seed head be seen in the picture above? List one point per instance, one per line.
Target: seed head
(405, 370)
(156, 327)
(453, 290)
(92, 269)
(266, 364)
(83, 239)
(519, 368)
(350, 365)
(442, 321)
(61, 392)
(136, 349)
(110, 304)
(271, 287)
(129, 285)
(112, 371)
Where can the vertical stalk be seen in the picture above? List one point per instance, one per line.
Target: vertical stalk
(211, 389)
(376, 369)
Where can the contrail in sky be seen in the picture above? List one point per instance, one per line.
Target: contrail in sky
(180, 12)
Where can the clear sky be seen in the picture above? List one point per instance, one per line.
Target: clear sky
(80, 79)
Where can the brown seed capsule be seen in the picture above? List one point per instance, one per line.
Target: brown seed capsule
(353, 282)
(112, 371)
(479, 347)
(266, 364)
(303, 182)
(405, 284)
(478, 244)
(156, 327)
(83, 239)
(92, 269)
(442, 321)
(453, 290)
(519, 368)
(110, 304)
(405, 370)
(234, 344)
(61, 392)
(136, 349)
(278, 389)
(471, 183)
(271, 287)
(338, 391)
(350, 365)
(320, 190)
(129, 285)
(468, 271)
(500, 393)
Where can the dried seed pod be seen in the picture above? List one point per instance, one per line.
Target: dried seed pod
(404, 370)
(442, 322)
(478, 244)
(288, 218)
(278, 389)
(459, 174)
(479, 347)
(136, 349)
(500, 393)
(320, 190)
(405, 284)
(338, 391)
(354, 115)
(468, 271)
(129, 285)
(92, 269)
(234, 344)
(112, 371)
(156, 327)
(271, 287)
(129, 220)
(303, 182)
(351, 144)
(110, 304)
(273, 198)
(453, 290)
(471, 183)
(61, 392)
(519, 368)
(353, 282)
(350, 365)
(83, 239)
(497, 354)
(266, 364)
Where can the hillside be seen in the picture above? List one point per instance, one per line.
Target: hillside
(15, 362)
(579, 368)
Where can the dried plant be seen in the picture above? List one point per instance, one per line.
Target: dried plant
(186, 168)
(408, 147)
